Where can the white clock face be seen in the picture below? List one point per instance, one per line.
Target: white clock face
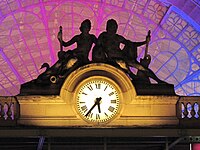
(98, 101)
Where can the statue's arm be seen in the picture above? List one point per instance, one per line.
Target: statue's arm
(148, 38)
(100, 39)
(137, 44)
(70, 42)
(94, 39)
(123, 40)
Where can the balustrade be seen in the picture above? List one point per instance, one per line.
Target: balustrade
(188, 111)
(9, 110)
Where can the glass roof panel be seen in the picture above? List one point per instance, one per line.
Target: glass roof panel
(28, 31)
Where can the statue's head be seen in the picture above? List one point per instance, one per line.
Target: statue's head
(85, 26)
(111, 26)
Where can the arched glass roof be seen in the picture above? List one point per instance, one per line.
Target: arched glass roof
(28, 30)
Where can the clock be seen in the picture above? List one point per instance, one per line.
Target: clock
(98, 99)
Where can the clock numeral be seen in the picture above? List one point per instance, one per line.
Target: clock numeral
(90, 115)
(106, 114)
(111, 94)
(105, 88)
(84, 93)
(113, 101)
(111, 109)
(90, 87)
(98, 86)
(84, 108)
(97, 116)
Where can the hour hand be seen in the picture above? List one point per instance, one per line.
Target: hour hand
(98, 103)
(99, 108)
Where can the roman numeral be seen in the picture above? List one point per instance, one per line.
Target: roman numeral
(106, 114)
(98, 86)
(105, 88)
(111, 94)
(113, 101)
(90, 87)
(90, 115)
(84, 93)
(111, 109)
(84, 108)
(97, 116)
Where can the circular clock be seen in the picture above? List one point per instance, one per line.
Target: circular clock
(97, 99)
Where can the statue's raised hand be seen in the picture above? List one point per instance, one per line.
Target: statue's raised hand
(59, 36)
(148, 37)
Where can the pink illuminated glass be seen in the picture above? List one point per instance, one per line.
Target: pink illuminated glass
(28, 30)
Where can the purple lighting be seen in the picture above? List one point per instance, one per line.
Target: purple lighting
(28, 36)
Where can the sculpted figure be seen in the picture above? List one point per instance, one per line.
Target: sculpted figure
(67, 61)
(109, 45)
(130, 51)
(84, 42)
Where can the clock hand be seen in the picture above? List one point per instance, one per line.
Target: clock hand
(97, 102)
(91, 109)
(99, 108)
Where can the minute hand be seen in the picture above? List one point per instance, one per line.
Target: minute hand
(91, 109)
(97, 102)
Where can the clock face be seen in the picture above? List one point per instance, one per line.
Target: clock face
(97, 101)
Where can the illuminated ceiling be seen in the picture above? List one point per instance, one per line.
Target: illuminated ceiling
(28, 30)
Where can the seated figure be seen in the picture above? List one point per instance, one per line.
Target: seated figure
(130, 51)
(109, 45)
(67, 61)
(84, 42)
